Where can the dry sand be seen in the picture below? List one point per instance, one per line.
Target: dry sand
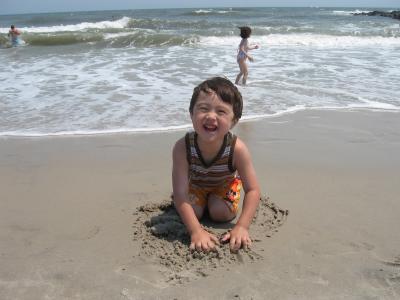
(89, 217)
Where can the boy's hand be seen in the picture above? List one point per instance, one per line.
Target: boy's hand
(251, 58)
(202, 240)
(238, 238)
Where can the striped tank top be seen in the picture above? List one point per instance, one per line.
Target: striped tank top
(215, 173)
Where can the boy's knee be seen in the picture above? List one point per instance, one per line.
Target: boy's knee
(219, 211)
(222, 215)
(198, 211)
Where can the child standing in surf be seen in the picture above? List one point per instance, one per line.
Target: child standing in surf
(243, 54)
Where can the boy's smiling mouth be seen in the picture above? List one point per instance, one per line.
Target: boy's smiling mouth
(210, 128)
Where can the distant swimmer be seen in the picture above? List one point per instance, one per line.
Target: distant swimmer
(14, 34)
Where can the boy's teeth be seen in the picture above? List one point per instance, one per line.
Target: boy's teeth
(210, 127)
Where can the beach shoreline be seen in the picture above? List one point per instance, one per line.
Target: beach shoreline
(135, 70)
(67, 205)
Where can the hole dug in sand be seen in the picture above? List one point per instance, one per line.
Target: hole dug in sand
(164, 239)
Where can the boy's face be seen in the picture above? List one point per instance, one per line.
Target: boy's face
(212, 118)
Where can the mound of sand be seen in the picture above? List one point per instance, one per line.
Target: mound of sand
(164, 238)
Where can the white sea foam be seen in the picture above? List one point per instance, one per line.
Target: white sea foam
(94, 132)
(203, 11)
(212, 11)
(310, 40)
(144, 90)
(121, 23)
(349, 12)
(109, 36)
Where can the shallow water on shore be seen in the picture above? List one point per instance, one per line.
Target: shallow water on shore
(121, 71)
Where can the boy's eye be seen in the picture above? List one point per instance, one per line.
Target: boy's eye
(222, 112)
(203, 108)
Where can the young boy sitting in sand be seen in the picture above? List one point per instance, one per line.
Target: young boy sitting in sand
(207, 164)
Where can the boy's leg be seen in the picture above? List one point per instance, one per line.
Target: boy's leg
(197, 199)
(223, 203)
(198, 211)
(218, 210)
(198, 208)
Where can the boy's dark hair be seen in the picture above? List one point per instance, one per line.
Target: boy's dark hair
(225, 89)
(12, 26)
(245, 32)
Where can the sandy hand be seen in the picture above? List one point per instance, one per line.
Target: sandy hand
(238, 238)
(202, 240)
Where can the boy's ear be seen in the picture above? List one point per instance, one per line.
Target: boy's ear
(234, 122)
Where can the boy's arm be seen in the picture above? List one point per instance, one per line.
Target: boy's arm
(200, 239)
(239, 235)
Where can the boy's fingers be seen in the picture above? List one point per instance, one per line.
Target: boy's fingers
(211, 245)
(192, 247)
(203, 247)
(246, 243)
(234, 248)
(214, 239)
(232, 243)
(235, 244)
(198, 247)
(226, 237)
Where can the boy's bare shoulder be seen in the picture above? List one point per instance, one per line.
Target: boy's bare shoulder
(240, 145)
(241, 153)
(179, 157)
(180, 146)
(179, 143)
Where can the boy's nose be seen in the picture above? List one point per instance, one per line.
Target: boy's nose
(211, 115)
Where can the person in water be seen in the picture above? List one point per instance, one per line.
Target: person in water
(14, 34)
(243, 54)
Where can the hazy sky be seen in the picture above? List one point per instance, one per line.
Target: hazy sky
(30, 6)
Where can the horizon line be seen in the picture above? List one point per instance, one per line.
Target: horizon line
(194, 7)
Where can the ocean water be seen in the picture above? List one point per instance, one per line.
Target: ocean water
(135, 70)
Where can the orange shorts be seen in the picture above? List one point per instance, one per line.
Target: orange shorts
(229, 192)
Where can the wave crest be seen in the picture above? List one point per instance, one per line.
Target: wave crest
(137, 38)
(205, 12)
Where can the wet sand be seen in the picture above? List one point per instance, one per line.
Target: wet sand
(90, 217)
